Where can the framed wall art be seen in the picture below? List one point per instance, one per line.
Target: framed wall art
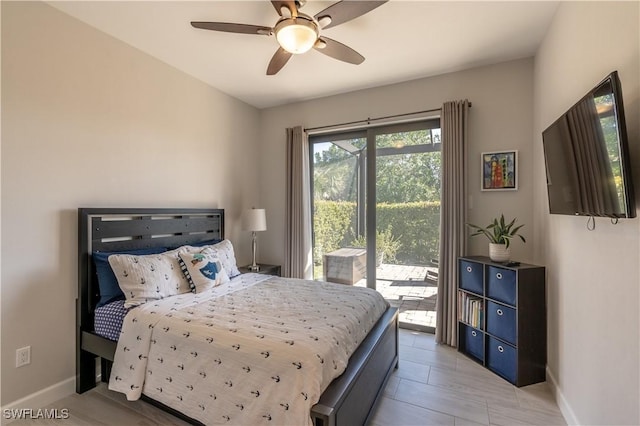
(499, 171)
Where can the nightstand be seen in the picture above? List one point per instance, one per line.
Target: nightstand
(264, 269)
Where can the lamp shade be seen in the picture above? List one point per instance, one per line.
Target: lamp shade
(254, 220)
(296, 35)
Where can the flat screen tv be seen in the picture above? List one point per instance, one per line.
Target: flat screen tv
(587, 156)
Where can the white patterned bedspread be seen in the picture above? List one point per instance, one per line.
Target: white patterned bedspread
(257, 350)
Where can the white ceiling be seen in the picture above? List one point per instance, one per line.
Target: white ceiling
(401, 40)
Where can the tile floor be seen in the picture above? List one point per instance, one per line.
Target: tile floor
(434, 385)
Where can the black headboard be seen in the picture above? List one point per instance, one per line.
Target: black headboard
(117, 229)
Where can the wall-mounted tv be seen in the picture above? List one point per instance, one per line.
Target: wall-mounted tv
(587, 156)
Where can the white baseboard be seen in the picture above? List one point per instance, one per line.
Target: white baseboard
(563, 405)
(43, 397)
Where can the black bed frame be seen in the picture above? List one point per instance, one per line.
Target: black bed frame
(348, 400)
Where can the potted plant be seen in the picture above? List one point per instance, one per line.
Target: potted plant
(386, 245)
(499, 233)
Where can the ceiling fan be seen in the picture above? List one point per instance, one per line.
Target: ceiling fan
(297, 33)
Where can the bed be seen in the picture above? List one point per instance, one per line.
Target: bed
(347, 400)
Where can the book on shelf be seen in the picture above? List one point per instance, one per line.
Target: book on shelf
(471, 310)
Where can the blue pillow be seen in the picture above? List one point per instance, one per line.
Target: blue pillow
(206, 243)
(107, 281)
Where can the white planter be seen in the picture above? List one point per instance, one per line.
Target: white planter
(499, 252)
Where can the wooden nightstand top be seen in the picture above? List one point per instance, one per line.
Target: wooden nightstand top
(264, 269)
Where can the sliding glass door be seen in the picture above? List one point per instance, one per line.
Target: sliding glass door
(376, 217)
(338, 188)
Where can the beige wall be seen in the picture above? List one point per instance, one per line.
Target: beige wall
(501, 118)
(593, 277)
(89, 121)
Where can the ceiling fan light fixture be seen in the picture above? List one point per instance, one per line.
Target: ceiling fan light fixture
(296, 35)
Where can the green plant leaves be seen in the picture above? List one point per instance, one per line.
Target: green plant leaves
(499, 231)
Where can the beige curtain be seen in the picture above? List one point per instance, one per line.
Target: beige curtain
(298, 259)
(453, 212)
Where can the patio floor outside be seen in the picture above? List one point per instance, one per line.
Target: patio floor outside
(412, 289)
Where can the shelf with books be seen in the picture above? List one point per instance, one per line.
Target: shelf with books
(471, 310)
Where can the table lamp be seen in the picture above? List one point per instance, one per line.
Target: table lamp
(254, 220)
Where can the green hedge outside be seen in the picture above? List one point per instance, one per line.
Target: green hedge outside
(416, 225)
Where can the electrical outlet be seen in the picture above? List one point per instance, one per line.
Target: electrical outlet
(23, 356)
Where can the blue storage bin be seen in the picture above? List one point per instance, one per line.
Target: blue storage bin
(501, 322)
(471, 276)
(502, 359)
(501, 285)
(473, 342)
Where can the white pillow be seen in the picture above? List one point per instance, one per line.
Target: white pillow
(203, 271)
(224, 252)
(149, 277)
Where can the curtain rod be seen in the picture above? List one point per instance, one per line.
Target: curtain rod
(369, 120)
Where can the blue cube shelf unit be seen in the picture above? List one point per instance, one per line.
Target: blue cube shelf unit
(502, 320)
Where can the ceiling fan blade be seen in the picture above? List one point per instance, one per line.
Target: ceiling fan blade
(279, 59)
(233, 28)
(291, 5)
(338, 51)
(346, 10)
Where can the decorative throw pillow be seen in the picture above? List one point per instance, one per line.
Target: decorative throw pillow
(224, 252)
(107, 281)
(175, 266)
(151, 277)
(203, 270)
